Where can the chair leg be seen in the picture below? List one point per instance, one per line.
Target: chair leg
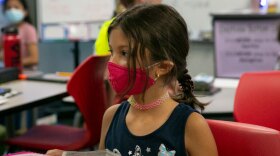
(6, 151)
(93, 148)
(10, 149)
(77, 119)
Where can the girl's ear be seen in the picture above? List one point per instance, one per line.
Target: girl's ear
(164, 67)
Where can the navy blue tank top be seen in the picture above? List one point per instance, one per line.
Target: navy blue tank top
(167, 140)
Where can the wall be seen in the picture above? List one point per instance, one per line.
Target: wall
(32, 11)
(58, 56)
(201, 58)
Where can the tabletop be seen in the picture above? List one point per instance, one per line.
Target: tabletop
(32, 93)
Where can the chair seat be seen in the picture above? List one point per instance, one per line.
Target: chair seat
(47, 137)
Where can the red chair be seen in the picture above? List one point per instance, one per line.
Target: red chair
(241, 139)
(257, 99)
(88, 90)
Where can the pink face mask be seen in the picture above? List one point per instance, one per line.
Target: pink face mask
(118, 77)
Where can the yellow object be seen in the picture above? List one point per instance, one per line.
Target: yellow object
(272, 8)
(64, 74)
(101, 43)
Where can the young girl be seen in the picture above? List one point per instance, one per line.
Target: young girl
(16, 13)
(149, 46)
(101, 46)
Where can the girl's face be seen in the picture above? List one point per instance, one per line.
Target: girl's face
(15, 4)
(119, 47)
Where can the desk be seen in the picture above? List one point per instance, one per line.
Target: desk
(222, 102)
(33, 93)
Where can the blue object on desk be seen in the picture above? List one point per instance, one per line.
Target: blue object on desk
(4, 90)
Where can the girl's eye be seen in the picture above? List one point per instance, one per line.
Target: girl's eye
(124, 53)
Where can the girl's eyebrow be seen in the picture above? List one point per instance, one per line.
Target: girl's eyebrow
(120, 47)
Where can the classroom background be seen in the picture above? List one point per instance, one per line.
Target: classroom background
(58, 48)
(227, 38)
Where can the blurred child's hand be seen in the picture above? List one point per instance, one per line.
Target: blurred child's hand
(54, 152)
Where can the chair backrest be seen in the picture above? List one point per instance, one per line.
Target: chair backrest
(257, 99)
(88, 90)
(234, 138)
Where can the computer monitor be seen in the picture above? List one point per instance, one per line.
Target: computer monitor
(244, 45)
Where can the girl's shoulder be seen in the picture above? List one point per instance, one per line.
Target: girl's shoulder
(199, 139)
(108, 117)
(110, 112)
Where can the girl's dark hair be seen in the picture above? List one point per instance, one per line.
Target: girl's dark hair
(25, 6)
(161, 30)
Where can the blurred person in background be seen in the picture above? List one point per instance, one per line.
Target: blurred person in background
(16, 13)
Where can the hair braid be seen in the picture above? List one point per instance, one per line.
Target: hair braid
(187, 87)
(186, 82)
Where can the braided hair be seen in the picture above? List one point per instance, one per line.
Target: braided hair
(187, 86)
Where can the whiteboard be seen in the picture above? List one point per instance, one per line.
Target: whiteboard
(72, 19)
(197, 12)
(59, 11)
(245, 45)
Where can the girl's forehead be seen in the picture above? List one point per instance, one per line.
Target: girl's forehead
(117, 37)
(119, 32)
